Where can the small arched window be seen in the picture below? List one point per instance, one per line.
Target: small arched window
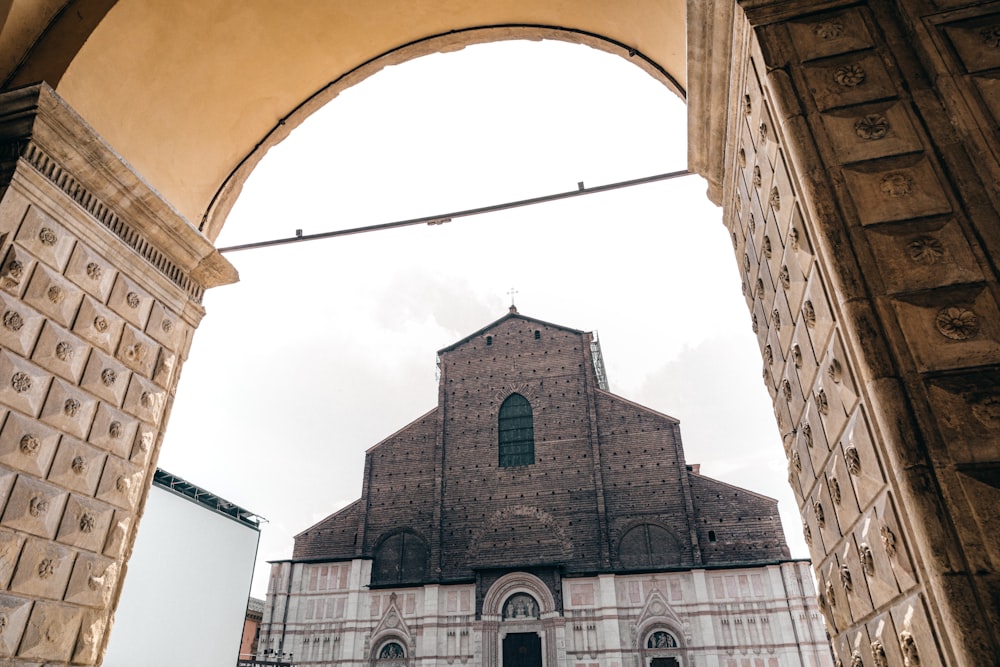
(401, 558)
(516, 432)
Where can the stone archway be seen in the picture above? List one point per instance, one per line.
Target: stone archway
(853, 148)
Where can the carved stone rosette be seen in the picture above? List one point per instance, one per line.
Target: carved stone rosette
(93, 266)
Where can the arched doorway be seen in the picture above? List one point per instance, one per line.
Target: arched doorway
(802, 128)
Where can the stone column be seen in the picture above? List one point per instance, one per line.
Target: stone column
(859, 181)
(100, 291)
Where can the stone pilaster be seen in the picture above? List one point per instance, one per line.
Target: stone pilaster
(859, 185)
(100, 292)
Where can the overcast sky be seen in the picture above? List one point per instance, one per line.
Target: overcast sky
(324, 348)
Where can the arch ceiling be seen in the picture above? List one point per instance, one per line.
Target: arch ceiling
(192, 92)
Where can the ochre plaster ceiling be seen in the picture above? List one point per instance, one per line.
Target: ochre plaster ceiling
(192, 92)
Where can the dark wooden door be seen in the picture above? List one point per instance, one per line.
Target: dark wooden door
(522, 649)
(664, 662)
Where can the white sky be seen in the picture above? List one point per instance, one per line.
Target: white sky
(324, 348)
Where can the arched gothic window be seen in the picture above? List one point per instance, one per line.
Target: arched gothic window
(661, 639)
(400, 559)
(391, 651)
(516, 432)
(648, 545)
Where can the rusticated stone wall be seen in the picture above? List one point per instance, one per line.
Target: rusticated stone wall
(98, 301)
(861, 196)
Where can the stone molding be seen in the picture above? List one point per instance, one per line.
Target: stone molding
(37, 127)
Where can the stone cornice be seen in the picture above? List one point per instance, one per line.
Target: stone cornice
(710, 40)
(40, 129)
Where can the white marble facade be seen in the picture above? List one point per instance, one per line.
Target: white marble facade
(766, 616)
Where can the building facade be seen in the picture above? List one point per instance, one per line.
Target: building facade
(534, 518)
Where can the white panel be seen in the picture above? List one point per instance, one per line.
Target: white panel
(185, 595)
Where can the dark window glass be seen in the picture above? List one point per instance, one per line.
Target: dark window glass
(516, 432)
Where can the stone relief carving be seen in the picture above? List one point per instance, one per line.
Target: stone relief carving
(822, 403)
(747, 105)
(888, 540)
(878, 654)
(849, 76)
(872, 127)
(986, 410)
(835, 490)
(167, 325)
(835, 371)
(21, 382)
(775, 199)
(767, 246)
(132, 299)
(831, 595)
(908, 646)
(867, 559)
(809, 313)
(776, 319)
(756, 176)
(853, 459)
(991, 36)
(797, 356)
(64, 351)
(820, 514)
(763, 132)
(101, 324)
(753, 323)
(828, 29)
(957, 323)
(29, 444)
(108, 377)
(741, 159)
(786, 390)
(38, 506)
(896, 184)
(793, 238)
(79, 465)
(925, 250)
(71, 408)
(123, 484)
(857, 660)
(752, 223)
(807, 533)
(115, 429)
(46, 568)
(796, 461)
(47, 236)
(12, 320)
(136, 353)
(87, 522)
(845, 578)
(807, 434)
(768, 355)
(55, 294)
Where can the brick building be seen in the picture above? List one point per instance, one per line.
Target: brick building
(534, 518)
